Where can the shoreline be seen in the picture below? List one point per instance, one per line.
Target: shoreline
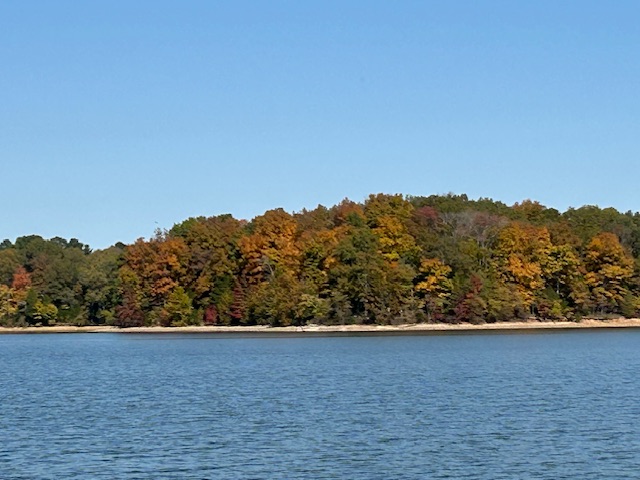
(421, 328)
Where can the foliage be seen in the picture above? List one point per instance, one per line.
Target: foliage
(390, 259)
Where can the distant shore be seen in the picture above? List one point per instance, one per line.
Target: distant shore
(342, 329)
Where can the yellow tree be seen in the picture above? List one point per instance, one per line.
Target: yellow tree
(522, 253)
(562, 266)
(434, 285)
(609, 268)
(317, 251)
(387, 205)
(389, 217)
(395, 240)
(8, 305)
(270, 246)
(563, 272)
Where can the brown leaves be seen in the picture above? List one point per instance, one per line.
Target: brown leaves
(21, 279)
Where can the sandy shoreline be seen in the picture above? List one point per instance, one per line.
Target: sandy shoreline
(343, 329)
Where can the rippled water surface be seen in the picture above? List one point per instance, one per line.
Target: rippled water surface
(498, 406)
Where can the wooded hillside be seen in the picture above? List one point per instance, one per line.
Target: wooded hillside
(392, 259)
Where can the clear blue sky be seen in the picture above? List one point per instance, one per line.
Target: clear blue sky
(117, 117)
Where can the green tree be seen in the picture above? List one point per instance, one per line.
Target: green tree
(178, 311)
(9, 262)
(99, 286)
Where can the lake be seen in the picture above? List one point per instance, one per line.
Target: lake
(548, 405)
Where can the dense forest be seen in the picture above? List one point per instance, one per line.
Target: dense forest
(390, 260)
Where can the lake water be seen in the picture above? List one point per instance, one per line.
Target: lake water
(491, 406)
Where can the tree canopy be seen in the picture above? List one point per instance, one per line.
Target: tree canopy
(390, 259)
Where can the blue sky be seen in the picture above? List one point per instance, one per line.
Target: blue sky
(119, 117)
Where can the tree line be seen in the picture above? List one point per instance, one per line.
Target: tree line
(391, 259)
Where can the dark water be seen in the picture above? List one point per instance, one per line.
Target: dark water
(526, 406)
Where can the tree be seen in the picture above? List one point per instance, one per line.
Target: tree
(434, 286)
(9, 263)
(212, 262)
(129, 313)
(276, 302)
(376, 290)
(348, 212)
(178, 311)
(45, 313)
(395, 241)
(29, 307)
(609, 268)
(21, 279)
(522, 253)
(150, 273)
(358, 271)
(535, 213)
(99, 286)
(271, 246)
(238, 309)
(471, 307)
(562, 267)
(388, 217)
(8, 306)
(53, 266)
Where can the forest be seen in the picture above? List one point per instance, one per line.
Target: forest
(392, 259)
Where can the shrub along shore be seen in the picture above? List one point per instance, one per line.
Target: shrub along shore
(392, 259)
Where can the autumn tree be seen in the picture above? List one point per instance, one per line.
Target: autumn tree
(522, 255)
(150, 272)
(388, 217)
(270, 246)
(212, 263)
(609, 268)
(434, 286)
(471, 306)
(8, 306)
(534, 213)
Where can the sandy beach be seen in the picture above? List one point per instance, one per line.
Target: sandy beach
(342, 329)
